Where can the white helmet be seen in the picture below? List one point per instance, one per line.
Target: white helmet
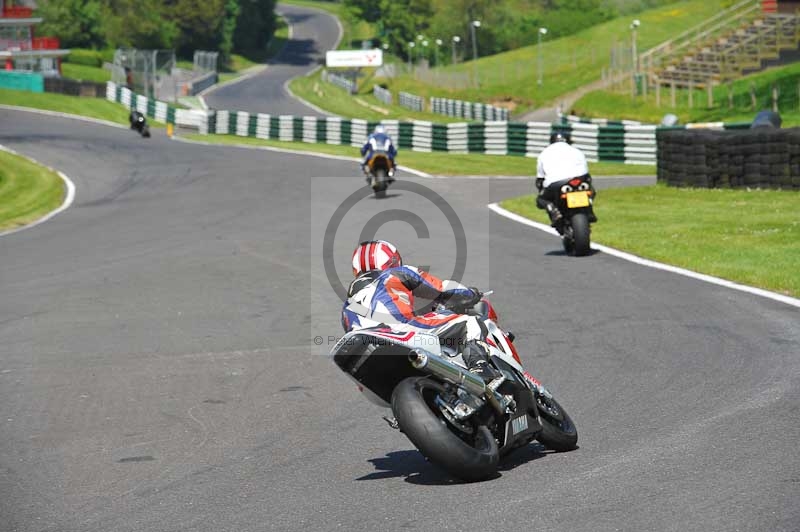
(379, 129)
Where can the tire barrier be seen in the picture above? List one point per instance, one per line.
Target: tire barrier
(755, 158)
(601, 140)
(468, 110)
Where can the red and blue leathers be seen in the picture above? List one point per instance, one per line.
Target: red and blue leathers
(401, 298)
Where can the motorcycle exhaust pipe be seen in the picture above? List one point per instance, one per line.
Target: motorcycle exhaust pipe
(446, 370)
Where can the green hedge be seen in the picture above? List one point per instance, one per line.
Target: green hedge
(94, 58)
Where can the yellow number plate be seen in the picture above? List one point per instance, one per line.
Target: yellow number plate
(577, 199)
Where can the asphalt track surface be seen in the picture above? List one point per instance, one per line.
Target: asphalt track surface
(313, 32)
(159, 370)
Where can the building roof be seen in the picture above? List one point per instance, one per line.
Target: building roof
(11, 21)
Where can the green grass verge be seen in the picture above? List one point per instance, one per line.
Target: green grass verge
(731, 103)
(569, 63)
(85, 72)
(750, 237)
(338, 101)
(27, 191)
(91, 107)
(436, 163)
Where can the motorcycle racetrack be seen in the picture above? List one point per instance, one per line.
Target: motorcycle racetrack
(162, 361)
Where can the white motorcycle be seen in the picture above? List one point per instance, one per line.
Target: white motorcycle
(457, 421)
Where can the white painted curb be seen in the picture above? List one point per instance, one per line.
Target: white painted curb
(653, 264)
(69, 197)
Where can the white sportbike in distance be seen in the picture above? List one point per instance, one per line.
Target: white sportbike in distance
(457, 421)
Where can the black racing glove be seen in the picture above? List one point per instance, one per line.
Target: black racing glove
(461, 303)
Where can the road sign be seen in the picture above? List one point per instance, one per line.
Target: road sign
(354, 58)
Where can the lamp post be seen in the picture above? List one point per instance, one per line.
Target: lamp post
(438, 45)
(634, 55)
(410, 52)
(475, 24)
(456, 40)
(425, 50)
(542, 31)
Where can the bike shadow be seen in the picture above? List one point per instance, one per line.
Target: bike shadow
(562, 253)
(387, 196)
(415, 469)
(411, 466)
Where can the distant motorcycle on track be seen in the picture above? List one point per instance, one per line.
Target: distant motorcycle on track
(139, 123)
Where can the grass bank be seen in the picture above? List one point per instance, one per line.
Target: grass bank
(750, 237)
(90, 107)
(732, 102)
(436, 163)
(27, 191)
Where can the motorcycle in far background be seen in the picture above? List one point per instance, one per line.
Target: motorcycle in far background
(139, 123)
(380, 172)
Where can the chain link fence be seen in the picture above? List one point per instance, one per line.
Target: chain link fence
(205, 61)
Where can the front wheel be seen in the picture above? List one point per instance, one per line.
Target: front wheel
(558, 431)
(467, 452)
(580, 232)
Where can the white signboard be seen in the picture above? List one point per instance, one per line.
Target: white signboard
(354, 58)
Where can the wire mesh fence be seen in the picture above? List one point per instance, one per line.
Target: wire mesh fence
(205, 61)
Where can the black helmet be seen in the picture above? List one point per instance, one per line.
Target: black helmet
(560, 136)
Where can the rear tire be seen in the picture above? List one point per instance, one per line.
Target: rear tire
(381, 183)
(469, 457)
(580, 231)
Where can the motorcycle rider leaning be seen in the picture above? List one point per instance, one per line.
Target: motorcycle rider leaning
(558, 163)
(386, 292)
(378, 140)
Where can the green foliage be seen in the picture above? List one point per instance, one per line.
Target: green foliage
(255, 25)
(228, 28)
(84, 57)
(138, 24)
(187, 25)
(77, 23)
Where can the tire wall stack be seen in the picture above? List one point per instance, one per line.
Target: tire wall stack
(755, 158)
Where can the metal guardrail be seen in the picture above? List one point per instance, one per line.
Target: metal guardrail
(382, 94)
(470, 110)
(411, 101)
(340, 81)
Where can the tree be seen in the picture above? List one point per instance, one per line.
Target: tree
(228, 28)
(255, 25)
(199, 23)
(77, 23)
(138, 24)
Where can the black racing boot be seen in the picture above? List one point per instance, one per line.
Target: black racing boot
(476, 356)
(555, 215)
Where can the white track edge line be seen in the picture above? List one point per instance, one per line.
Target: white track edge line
(69, 197)
(653, 264)
(412, 171)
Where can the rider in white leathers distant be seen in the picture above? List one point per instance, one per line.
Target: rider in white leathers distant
(558, 163)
